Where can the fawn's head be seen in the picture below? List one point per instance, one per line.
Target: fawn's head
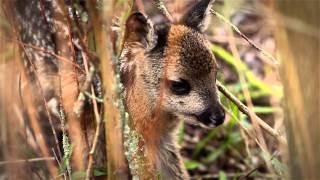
(173, 65)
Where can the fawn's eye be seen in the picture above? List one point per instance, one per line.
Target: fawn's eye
(181, 87)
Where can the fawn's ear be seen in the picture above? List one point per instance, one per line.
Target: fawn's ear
(198, 16)
(138, 29)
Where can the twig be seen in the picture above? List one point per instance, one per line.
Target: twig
(244, 109)
(87, 85)
(27, 160)
(274, 61)
(79, 44)
(61, 58)
(91, 96)
(247, 175)
(79, 105)
(96, 137)
(164, 10)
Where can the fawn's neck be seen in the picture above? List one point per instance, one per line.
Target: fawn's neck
(159, 136)
(158, 132)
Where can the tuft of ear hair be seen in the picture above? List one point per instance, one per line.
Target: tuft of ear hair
(198, 16)
(138, 29)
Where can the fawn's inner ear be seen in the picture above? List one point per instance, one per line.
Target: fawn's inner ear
(138, 29)
(198, 16)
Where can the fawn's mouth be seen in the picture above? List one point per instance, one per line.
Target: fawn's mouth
(211, 117)
(207, 123)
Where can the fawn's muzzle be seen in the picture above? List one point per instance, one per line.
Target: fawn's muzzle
(212, 117)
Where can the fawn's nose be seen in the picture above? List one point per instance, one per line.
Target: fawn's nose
(212, 117)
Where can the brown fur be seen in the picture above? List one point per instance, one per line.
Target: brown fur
(153, 57)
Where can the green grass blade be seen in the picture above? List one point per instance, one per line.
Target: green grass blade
(241, 67)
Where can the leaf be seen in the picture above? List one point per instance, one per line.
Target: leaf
(84, 17)
(99, 172)
(235, 114)
(158, 176)
(181, 134)
(242, 67)
(79, 175)
(245, 122)
(266, 110)
(82, 174)
(233, 139)
(204, 141)
(222, 175)
(280, 167)
(192, 164)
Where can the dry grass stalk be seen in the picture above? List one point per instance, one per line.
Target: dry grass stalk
(162, 7)
(96, 137)
(117, 166)
(246, 93)
(28, 91)
(68, 81)
(34, 120)
(36, 127)
(53, 54)
(27, 160)
(38, 84)
(9, 150)
(300, 71)
(87, 85)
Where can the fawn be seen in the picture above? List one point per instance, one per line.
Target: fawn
(169, 74)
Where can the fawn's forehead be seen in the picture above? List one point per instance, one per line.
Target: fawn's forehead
(188, 50)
